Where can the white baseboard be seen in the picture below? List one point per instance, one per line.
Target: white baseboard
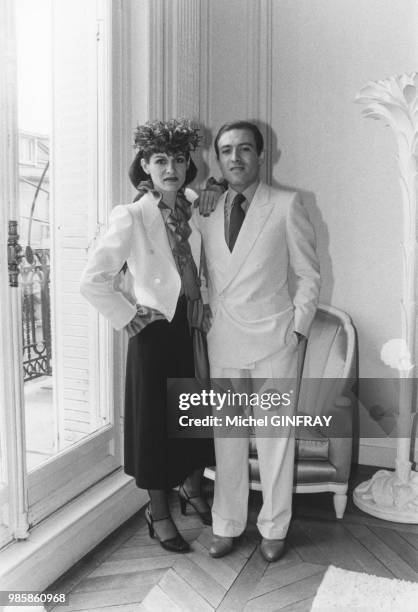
(379, 454)
(64, 538)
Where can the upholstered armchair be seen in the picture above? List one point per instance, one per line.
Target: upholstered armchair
(323, 455)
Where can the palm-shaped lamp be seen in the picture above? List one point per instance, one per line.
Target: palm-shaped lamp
(394, 495)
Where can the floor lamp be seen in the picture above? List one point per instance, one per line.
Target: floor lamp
(394, 495)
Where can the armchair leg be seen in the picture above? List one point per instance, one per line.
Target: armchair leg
(340, 503)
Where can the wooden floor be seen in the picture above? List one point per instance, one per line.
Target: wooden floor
(131, 572)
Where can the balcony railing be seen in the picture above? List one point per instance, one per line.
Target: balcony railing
(36, 315)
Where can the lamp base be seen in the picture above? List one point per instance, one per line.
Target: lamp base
(389, 497)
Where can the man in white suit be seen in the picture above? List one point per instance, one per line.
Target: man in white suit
(251, 239)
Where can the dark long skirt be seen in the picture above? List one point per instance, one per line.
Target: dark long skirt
(162, 350)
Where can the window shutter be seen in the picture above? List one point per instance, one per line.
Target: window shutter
(75, 180)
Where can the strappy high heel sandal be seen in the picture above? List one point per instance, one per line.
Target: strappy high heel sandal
(185, 498)
(175, 544)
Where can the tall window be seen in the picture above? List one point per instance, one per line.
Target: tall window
(59, 115)
(34, 124)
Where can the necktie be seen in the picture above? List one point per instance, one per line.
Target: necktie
(236, 219)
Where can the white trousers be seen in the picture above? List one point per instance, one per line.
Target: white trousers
(275, 455)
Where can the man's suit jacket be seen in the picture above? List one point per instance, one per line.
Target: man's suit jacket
(137, 235)
(253, 313)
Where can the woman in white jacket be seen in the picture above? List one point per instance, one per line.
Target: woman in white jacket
(143, 277)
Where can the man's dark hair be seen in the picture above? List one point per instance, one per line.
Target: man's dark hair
(241, 125)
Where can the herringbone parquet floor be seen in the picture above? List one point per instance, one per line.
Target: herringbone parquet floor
(131, 572)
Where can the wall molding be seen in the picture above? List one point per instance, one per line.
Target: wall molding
(156, 59)
(204, 55)
(259, 16)
(174, 58)
(186, 64)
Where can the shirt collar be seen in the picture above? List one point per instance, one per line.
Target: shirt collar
(247, 193)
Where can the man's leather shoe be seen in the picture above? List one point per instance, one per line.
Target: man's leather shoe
(272, 550)
(221, 546)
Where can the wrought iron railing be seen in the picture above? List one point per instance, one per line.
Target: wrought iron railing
(36, 319)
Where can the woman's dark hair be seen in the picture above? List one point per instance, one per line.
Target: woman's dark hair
(241, 125)
(171, 137)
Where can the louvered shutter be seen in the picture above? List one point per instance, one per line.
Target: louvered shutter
(75, 168)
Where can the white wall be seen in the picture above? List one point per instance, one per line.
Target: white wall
(323, 52)
(227, 47)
